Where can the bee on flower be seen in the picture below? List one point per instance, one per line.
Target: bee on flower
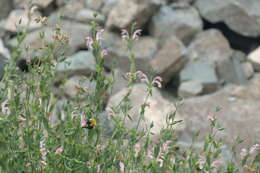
(89, 124)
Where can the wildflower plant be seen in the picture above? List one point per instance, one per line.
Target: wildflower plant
(79, 141)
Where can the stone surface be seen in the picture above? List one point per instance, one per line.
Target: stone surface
(4, 51)
(183, 23)
(2, 65)
(202, 72)
(76, 33)
(70, 87)
(240, 56)
(137, 11)
(190, 89)
(248, 69)
(95, 4)
(239, 116)
(6, 7)
(143, 49)
(87, 15)
(232, 71)
(79, 63)
(241, 16)
(18, 19)
(108, 6)
(254, 58)
(156, 112)
(210, 46)
(170, 59)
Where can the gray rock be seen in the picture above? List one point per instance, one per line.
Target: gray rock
(18, 19)
(239, 117)
(210, 46)
(240, 56)
(241, 16)
(2, 66)
(190, 89)
(95, 4)
(156, 113)
(254, 58)
(4, 51)
(70, 88)
(87, 15)
(137, 11)
(108, 6)
(184, 23)
(76, 33)
(79, 63)
(6, 7)
(143, 49)
(248, 69)
(231, 71)
(202, 72)
(170, 59)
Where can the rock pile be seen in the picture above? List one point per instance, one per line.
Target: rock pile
(174, 45)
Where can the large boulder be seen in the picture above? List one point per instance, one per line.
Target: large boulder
(155, 113)
(170, 59)
(138, 11)
(239, 113)
(19, 19)
(76, 33)
(202, 72)
(212, 47)
(254, 58)
(184, 23)
(241, 16)
(80, 63)
(6, 7)
(143, 49)
(2, 66)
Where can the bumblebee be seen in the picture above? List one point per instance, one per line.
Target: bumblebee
(91, 123)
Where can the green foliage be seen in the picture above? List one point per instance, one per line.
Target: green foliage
(31, 142)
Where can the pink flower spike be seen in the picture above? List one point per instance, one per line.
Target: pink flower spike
(158, 78)
(143, 76)
(136, 34)
(243, 153)
(59, 150)
(158, 81)
(89, 42)
(125, 34)
(122, 166)
(5, 108)
(254, 148)
(216, 163)
(83, 123)
(104, 52)
(211, 117)
(99, 34)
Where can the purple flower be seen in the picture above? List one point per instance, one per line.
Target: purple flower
(211, 117)
(89, 42)
(5, 108)
(125, 34)
(136, 34)
(157, 81)
(104, 52)
(143, 77)
(59, 150)
(99, 35)
(216, 163)
(243, 153)
(254, 148)
(122, 166)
